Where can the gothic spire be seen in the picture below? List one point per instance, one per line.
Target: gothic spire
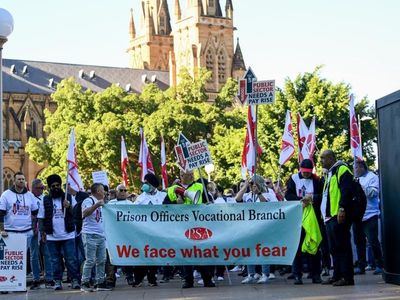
(132, 31)
(238, 61)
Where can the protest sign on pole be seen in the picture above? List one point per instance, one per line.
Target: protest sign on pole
(253, 92)
(100, 177)
(13, 253)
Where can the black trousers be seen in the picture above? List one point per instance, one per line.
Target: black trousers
(313, 260)
(340, 248)
(141, 271)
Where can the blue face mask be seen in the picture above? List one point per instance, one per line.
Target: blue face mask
(146, 188)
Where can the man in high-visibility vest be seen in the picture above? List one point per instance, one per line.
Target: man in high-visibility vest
(335, 209)
(177, 194)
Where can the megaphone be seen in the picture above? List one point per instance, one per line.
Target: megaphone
(193, 195)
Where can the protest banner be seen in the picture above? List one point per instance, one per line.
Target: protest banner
(13, 262)
(218, 234)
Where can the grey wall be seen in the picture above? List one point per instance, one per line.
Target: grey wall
(388, 113)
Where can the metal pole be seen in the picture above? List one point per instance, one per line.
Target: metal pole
(255, 142)
(359, 131)
(2, 41)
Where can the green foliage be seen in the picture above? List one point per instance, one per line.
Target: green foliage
(100, 119)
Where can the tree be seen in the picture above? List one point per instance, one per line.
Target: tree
(100, 119)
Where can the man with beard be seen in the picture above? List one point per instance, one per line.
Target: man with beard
(58, 230)
(18, 210)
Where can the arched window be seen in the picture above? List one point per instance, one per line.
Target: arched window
(34, 129)
(221, 67)
(211, 3)
(8, 178)
(210, 63)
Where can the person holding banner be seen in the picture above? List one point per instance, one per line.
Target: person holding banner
(149, 196)
(259, 192)
(335, 209)
(57, 228)
(93, 238)
(306, 187)
(18, 210)
(187, 191)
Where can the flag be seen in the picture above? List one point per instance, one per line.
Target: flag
(287, 148)
(164, 175)
(73, 177)
(248, 153)
(302, 132)
(145, 163)
(124, 163)
(309, 146)
(355, 138)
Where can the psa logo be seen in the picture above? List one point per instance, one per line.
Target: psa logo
(3, 278)
(198, 233)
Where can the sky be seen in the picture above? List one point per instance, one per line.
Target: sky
(357, 41)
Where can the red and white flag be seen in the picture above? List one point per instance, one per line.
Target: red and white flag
(355, 138)
(145, 163)
(287, 148)
(73, 177)
(248, 153)
(308, 149)
(302, 132)
(164, 175)
(124, 163)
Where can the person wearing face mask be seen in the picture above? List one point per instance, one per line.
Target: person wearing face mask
(58, 230)
(149, 196)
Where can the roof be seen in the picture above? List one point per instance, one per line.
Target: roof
(36, 77)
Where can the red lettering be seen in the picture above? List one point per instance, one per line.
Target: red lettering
(125, 251)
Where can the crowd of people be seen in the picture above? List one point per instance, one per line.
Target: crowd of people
(64, 229)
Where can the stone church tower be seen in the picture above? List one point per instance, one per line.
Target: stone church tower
(202, 37)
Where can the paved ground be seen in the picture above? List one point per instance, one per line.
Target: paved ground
(367, 287)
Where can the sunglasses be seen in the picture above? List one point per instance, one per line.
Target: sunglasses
(55, 185)
(122, 190)
(268, 182)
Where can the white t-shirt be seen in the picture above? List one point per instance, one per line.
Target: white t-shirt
(125, 202)
(59, 232)
(18, 209)
(145, 198)
(268, 195)
(92, 224)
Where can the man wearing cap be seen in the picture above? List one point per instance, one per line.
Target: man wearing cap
(306, 187)
(18, 210)
(149, 196)
(177, 194)
(58, 230)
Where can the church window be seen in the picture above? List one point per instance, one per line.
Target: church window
(210, 63)
(221, 67)
(211, 3)
(34, 129)
(8, 178)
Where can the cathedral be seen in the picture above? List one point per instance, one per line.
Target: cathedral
(200, 35)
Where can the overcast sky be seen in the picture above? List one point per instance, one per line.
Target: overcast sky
(357, 41)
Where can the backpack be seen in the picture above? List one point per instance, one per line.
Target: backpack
(77, 214)
(359, 201)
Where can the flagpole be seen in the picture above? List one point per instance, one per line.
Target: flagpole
(255, 142)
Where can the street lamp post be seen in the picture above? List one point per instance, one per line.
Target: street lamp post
(6, 27)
